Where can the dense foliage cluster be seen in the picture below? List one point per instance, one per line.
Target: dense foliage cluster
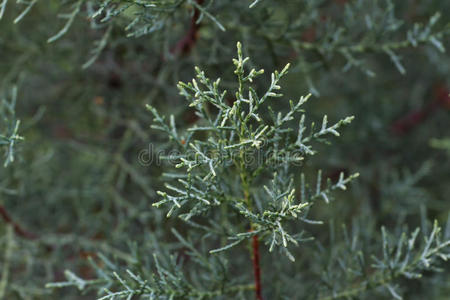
(144, 159)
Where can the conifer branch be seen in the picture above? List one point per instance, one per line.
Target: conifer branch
(241, 188)
(233, 131)
(401, 258)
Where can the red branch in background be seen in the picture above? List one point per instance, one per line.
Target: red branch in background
(411, 120)
(256, 267)
(17, 228)
(406, 123)
(185, 45)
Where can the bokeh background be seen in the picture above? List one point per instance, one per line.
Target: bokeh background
(77, 189)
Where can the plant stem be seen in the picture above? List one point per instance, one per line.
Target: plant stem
(254, 249)
(256, 267)
(17, 228)
(185, 45)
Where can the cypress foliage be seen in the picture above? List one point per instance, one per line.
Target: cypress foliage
(145, 156)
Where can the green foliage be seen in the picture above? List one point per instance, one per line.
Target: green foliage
(240, 142)
(9, 127)
(400, 256)
(78, 215)
(440, 143)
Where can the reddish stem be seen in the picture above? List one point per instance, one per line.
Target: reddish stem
(17, 228)
(185, 45)
(411, 120)
(256, 267)
(406, 123)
